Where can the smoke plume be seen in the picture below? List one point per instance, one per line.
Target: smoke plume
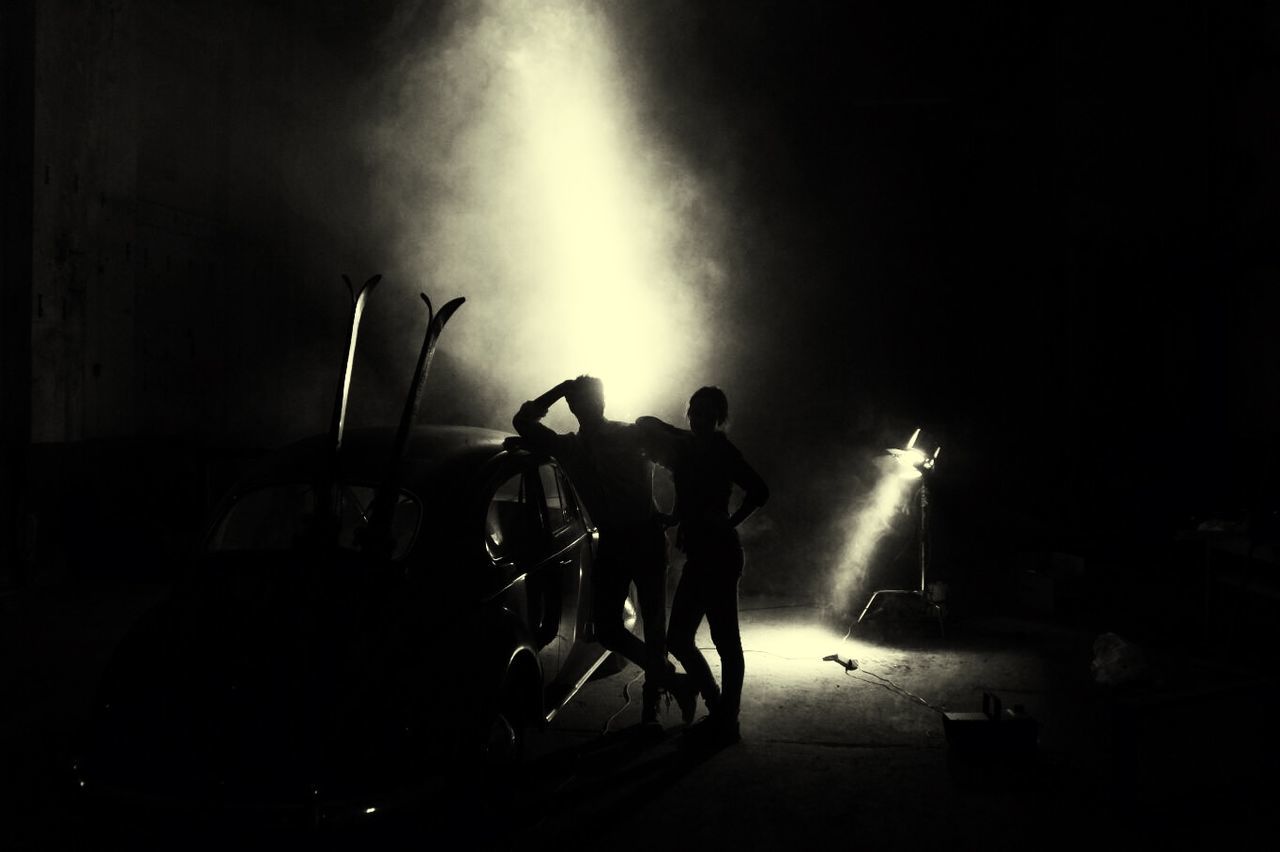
(511, 165)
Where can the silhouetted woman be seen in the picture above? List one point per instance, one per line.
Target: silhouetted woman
(705, 465)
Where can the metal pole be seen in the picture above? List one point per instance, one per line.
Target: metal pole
(924, 532)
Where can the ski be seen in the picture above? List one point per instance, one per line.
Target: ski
(328, 506)
(384, 503)
(338, 423)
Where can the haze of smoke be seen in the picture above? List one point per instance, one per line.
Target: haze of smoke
(870, 521)
(464, 215)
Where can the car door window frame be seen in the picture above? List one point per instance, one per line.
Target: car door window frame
(540, 538)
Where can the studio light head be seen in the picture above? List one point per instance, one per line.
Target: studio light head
(914, 461)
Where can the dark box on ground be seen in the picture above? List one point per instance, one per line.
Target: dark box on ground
(993, 731)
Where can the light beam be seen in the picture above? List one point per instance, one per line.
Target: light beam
(897, 475)
(527, 181)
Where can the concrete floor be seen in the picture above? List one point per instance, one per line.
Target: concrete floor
(827, 756)
(834, 756)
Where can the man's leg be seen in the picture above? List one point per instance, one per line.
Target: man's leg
(651, 595)
(650, 574)
(610, 583)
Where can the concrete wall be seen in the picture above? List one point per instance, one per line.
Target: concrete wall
(162, 224)
(17, 68)
(175, 244)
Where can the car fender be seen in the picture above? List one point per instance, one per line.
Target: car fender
(512, 671)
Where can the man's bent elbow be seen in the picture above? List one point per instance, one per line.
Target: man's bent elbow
(525, 418)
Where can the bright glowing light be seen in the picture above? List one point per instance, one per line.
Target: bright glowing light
(910, 461)
(600, 259)
(579, 239)
(915, 458)
(786, 645)
(797, 641)
(370, 810)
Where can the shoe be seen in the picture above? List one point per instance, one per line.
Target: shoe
(712, 700)
(728, 731)
(651, 697)
(682, 688)
(724, 728)
(650, 733)
(713, 732)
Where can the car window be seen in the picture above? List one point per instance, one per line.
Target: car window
(573, 506)
(512, 527)
(553, 492)
(279, 517)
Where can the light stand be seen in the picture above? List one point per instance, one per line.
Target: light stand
(916, 465)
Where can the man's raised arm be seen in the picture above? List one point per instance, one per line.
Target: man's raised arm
(528, 420)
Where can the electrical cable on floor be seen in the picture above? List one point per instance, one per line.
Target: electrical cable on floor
(881, 681)
(626, 693)
(887, 684)
(893, 687)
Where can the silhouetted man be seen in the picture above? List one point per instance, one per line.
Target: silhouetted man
(608, 467)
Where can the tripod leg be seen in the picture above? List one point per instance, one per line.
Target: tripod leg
(867, 608)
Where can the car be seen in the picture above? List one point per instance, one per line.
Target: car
(297, 670)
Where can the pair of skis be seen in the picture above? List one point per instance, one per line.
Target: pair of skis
(377, 536)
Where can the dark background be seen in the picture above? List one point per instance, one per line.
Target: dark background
(1042, 232)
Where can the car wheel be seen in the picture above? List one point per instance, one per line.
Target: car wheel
(505, 743)
(508, 731)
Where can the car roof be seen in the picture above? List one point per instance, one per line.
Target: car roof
(429, 452)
